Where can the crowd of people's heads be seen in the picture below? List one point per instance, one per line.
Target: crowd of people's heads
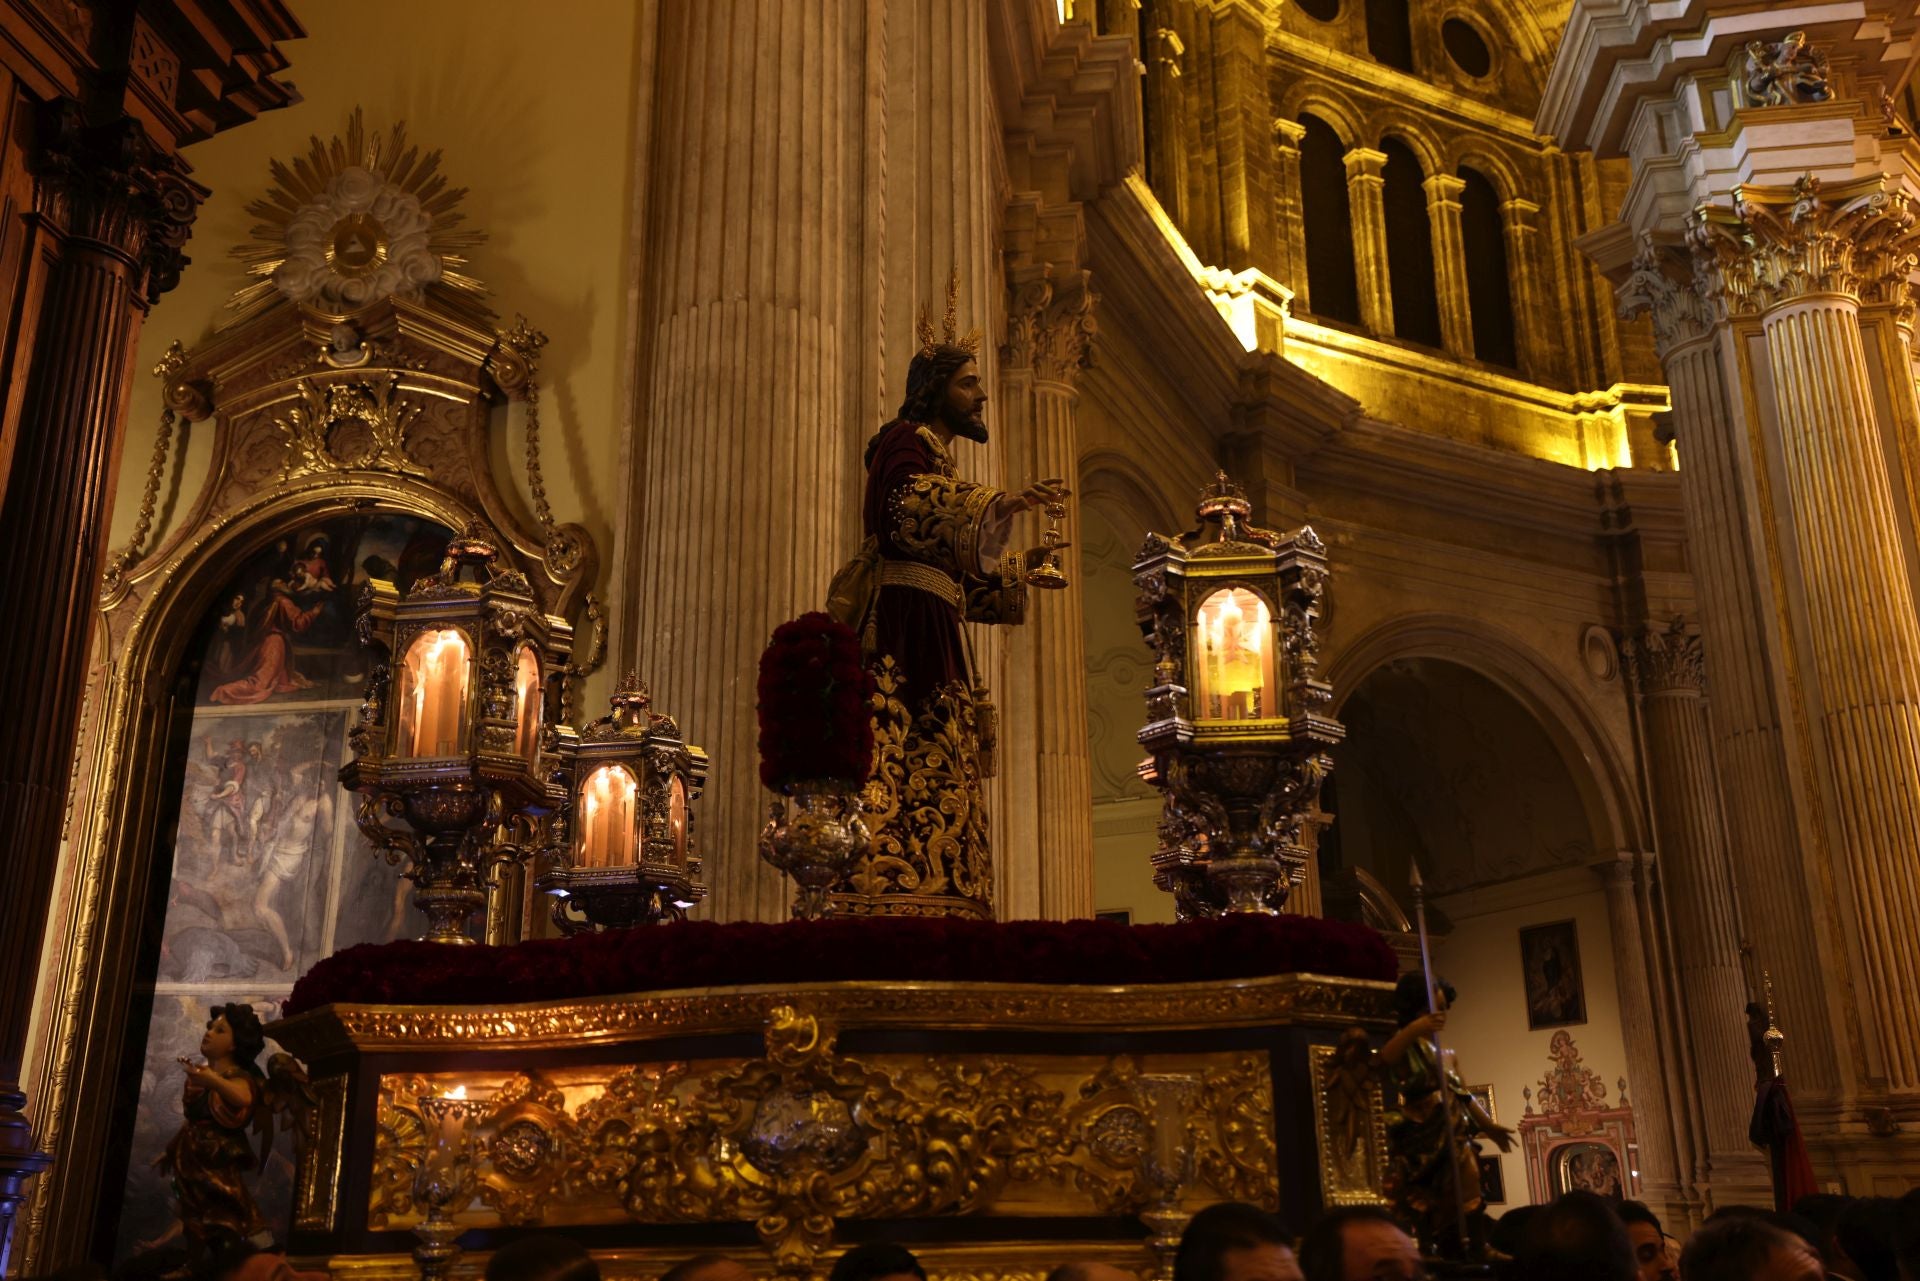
(1579, 1237)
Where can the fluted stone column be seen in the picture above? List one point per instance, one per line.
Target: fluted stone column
(1859, 605)
(1049, 331)
(1366, 197)
(1520, 222)
(1450, 263)
(1167, 141)
(1667, 670)
(1658, 1171)
(1726, 551)
(1289, 211)
(749, 484)
(110, 216)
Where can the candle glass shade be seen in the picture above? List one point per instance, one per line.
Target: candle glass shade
(622, 852)
(1237, 718)
(448, 739)
(607, 811)
(528, 704)
(433, 694)
(1235, 630)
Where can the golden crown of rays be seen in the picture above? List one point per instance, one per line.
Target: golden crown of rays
(952, 337)
(304, 185)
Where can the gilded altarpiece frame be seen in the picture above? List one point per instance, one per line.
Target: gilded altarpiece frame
(390, 412)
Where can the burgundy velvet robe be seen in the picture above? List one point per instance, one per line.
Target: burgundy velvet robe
(917, 511)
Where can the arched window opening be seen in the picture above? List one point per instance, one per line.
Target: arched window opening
(1489, 287)
(1327, 224)
(1416, 300)
(1390, 33)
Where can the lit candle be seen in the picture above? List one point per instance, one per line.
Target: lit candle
(526, 704)
(608, 802)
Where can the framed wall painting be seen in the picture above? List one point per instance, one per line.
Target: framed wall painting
(1550, 966)
(1493, 1182)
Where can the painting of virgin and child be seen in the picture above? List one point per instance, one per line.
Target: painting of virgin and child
(284, 628)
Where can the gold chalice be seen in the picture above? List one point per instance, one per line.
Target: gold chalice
(1048, 573)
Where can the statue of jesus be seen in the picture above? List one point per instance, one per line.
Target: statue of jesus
(935, 555)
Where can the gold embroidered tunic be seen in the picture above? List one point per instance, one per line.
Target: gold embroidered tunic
(935, 558)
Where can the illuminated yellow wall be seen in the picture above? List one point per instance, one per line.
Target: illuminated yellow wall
(534, 115)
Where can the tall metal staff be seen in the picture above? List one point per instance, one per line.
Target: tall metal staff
(1440, 1063)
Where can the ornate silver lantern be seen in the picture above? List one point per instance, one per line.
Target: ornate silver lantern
(466, 664)
(1237, 721)
(623, 850)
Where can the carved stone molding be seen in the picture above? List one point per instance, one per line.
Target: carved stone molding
(1662, 661)
(1658, 289)
(1776, 245)
(110, 186)
(1050, 331)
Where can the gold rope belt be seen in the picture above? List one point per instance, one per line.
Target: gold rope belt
(921, 577)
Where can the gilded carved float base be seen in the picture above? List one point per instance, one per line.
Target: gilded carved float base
(1010, 1123)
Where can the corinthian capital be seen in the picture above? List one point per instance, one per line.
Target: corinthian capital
(1664, 661)
(111, 186)
(1778, 244)
(1657, 288)
(1049, 333)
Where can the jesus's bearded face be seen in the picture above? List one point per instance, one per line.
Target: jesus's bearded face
(966, 399)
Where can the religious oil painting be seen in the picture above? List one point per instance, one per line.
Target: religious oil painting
(1493, 1180)
(269, 872)
(1550, 965)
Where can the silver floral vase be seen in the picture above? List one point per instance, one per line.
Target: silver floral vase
(814, 834)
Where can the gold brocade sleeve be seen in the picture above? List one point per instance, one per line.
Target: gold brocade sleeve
(999, 597)
(938, 520)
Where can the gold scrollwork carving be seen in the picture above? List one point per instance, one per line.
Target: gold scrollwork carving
(803, 1136)
(1289, 998)
(310, 429)
(929, 851)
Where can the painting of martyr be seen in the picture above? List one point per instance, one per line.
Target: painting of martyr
(269, 873)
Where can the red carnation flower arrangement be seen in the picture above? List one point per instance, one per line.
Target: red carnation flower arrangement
(814, 721)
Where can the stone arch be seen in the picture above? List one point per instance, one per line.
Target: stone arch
(1119, 477)
(1499, 169)
(1604, 782)
(1330, 105)
(1412, 131)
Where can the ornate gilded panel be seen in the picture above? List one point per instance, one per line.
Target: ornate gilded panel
(803, 1136)
(1349, 1118)
(323, 1138)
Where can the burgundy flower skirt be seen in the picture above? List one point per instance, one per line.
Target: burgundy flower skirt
(698, 954)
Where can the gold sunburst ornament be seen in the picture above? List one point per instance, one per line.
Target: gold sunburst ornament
(355, 221)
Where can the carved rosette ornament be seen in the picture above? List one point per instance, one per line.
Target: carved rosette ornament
(1238, 726)
(1664, 661)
